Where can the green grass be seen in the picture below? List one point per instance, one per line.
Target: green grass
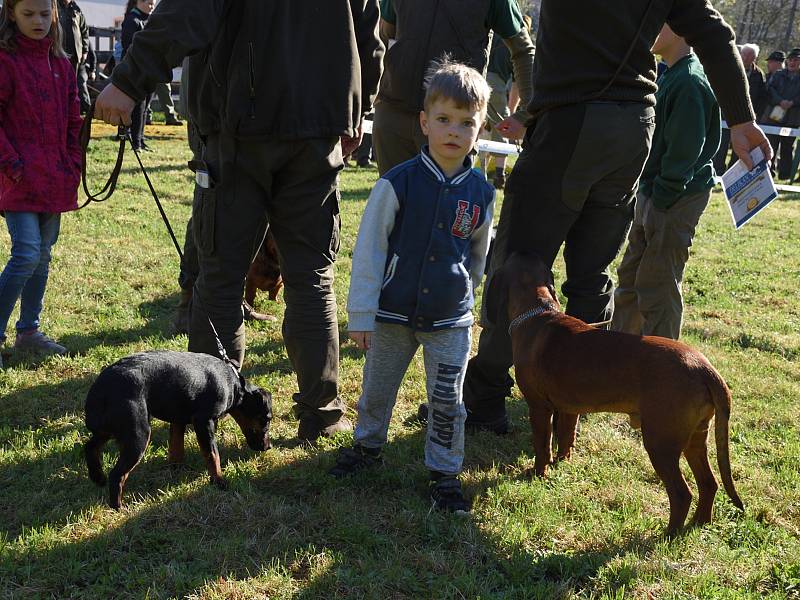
(593, 529)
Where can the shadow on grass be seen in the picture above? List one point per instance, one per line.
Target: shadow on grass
(287, 523)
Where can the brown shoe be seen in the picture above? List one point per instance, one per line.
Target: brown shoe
(311, 428)
(183, 313)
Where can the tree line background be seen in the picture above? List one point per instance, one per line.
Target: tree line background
(772, 24)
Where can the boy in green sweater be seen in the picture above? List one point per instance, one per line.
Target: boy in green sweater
(673, 192)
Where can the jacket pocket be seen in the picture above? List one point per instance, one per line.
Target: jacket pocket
(204, 219)
(391, 268)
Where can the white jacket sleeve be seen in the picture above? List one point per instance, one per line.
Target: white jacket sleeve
(481, 239)
(369, 256)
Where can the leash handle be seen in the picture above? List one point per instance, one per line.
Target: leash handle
(111, 184)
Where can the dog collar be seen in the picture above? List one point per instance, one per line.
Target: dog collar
(534, 312)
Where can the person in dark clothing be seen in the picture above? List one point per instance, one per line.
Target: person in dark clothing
(74, 31)
(499, 75)
(423, 33)
(136, 14)
(758, 98)
(86, 75)
(784, 92)
(774, 64)
(278, 85)
(584, 150)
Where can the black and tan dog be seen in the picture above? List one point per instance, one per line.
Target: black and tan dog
(564, 365)
(181, 388)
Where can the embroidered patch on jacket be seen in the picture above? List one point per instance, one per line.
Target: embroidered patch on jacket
(464, 223)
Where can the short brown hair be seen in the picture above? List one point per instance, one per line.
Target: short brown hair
(463, 85)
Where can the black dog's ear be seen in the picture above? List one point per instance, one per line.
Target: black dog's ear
(496, 295)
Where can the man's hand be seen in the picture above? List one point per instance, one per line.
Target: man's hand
(351, 144)
(745, 137)
(114, 106)
(361, 338)
(511, 129)
(786, 104)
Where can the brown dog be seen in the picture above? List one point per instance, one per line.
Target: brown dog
(564, 365)
(265, 275)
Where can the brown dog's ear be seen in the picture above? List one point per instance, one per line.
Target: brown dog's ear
(496, 295)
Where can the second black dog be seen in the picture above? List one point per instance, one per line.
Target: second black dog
(181, 388)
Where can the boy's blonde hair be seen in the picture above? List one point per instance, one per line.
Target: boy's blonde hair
(8, 29)
(462, 85)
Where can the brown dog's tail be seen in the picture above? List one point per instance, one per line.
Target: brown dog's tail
(721, 396)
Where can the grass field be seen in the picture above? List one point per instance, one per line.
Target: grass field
(285, 529)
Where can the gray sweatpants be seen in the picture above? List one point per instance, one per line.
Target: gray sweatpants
(445, 353)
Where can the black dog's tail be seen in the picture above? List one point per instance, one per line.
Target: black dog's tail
(93, 450)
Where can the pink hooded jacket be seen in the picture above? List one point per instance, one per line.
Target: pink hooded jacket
(40, 124)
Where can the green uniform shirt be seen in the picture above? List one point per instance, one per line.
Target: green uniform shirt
(687, 135)
(504, 17)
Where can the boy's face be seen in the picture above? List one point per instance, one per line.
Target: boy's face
(451, 131)
(33, 18)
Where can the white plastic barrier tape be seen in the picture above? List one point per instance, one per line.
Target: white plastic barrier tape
(483, 145)
(513, 150)
(772, 129)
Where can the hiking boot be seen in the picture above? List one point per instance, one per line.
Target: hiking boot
(36, 341)
(173, 122)
(446, 494)
(355, 459)
(311, 428)
(497, 425)
(499, 180)
(183, 313)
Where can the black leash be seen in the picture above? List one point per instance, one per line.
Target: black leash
(123, 133)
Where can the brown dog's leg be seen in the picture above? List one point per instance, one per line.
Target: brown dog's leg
(696, 455)
(204, 429)
(565, 434)
(176, 432)
(250, 292)
(130, 453)
(541, 419)
(665, 457)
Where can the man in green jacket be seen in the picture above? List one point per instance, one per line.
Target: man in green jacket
(275, 86)
(673, 192)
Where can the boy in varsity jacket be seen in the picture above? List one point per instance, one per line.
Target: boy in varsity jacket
(419, 256)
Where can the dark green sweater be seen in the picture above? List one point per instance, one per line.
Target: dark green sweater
(686, 137)
(581, 43)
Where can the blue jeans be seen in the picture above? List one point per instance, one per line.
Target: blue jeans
(25, 275)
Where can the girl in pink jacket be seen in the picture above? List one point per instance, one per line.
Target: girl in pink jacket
(40, 158)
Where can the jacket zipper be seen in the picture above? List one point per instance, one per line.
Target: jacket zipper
(251, 60)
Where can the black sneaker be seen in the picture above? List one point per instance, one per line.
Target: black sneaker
(446, 494)
(497, 425)
(355, 459)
